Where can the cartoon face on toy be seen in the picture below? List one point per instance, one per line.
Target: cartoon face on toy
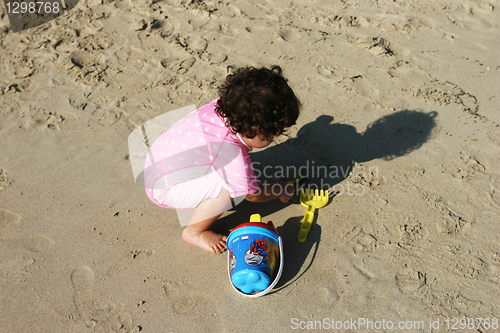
(257, 253)
(232, 260)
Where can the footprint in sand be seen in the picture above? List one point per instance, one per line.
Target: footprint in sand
(7, 219)
(45, 120)
(329, 294)
(454, 217)
(378, 46)
(213, 59)
(90, 28)
(370, 179)
(62, 40)
(99, 41)
(194, 44)
(451, 224)
(126, 261)
(25, 68)
(166, 28)
(471, 168)
(82, 279)
(466, 263)
(191, 304)
(411, 232)
(482, 8)
(410, 280)
(79, 100)
(98, 316)
(453, 304)
(138, 24)
(363, 241)
(382, 47)
(185, 65)
(107, 117)
(16, 270)
(34, 242)
(436, 92)
(332, 74)
(83, 59)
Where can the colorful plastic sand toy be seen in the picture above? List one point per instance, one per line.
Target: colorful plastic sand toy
(255, 256)
(312, 200)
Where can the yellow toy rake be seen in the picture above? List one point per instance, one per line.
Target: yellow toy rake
(312, 199)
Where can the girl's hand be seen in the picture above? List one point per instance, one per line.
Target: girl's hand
(288, 190)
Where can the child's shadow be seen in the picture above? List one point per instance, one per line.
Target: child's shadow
(326, 152)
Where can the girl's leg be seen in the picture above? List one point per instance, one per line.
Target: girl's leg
(204, 215)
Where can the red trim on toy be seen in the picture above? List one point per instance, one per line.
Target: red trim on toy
(269, 226)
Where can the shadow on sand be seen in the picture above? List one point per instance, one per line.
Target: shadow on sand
(325, 152)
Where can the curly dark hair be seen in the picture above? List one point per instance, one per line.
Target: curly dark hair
(258, 100)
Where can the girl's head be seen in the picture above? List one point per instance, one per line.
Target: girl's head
(258, 103)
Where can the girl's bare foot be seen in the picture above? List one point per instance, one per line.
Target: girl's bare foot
(206, 240)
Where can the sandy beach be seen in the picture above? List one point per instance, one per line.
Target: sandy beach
(400, 119)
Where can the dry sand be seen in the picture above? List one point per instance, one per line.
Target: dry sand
(406, 92)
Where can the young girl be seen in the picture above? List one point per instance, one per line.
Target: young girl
(202, 161)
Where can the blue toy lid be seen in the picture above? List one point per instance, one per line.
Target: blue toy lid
(249, 280)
